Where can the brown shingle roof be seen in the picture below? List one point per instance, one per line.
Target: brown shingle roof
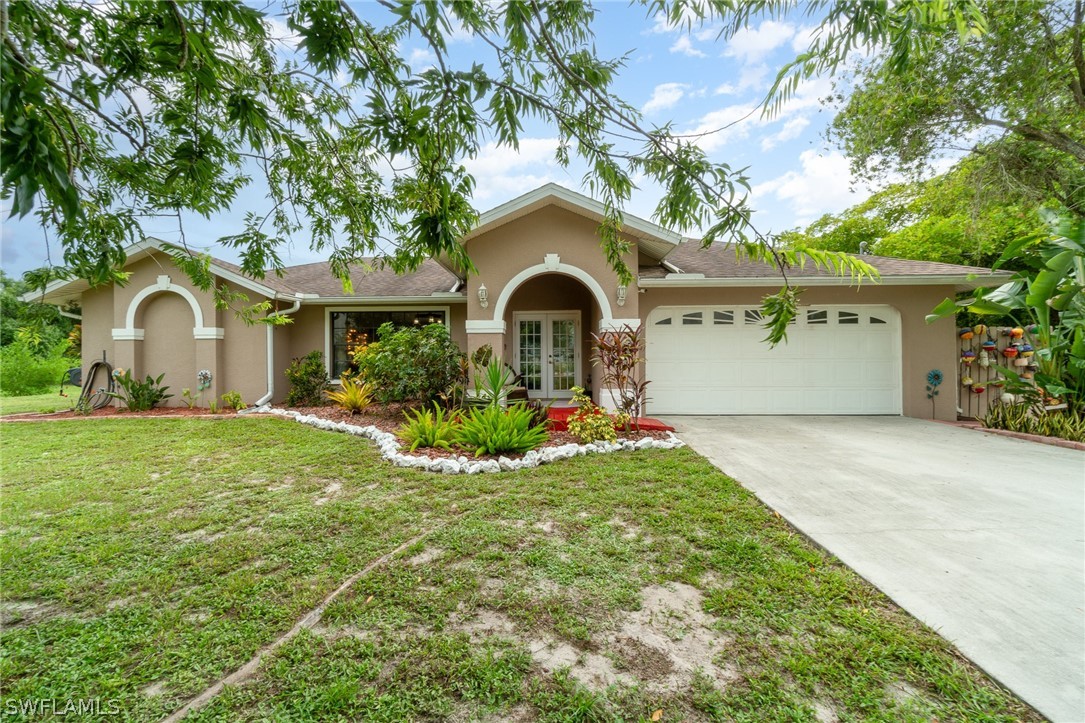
(317, 278)
(719, 261)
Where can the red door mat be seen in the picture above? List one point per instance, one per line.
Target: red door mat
(559, 418)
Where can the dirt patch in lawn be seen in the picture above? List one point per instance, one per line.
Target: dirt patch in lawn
(25, 612)
(661, 646)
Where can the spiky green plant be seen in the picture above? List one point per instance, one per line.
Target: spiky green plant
(494, 430)
(429, 428)
(353, 396)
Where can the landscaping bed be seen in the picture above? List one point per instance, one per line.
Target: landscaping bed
(388, 418)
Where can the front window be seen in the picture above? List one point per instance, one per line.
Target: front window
(353, 329)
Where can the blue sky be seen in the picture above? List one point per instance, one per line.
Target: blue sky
(690, 78)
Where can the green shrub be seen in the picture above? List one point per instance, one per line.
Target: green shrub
(233, 400)
(29, 368)
(353, 396)
(590, 423)
(136, 395)
(494, 430)
(429, 428)
(308, 379)
(410, 364)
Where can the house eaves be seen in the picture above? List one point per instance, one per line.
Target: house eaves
(959, 282)
(63, 290)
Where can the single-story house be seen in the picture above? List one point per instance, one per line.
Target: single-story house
(543, 284)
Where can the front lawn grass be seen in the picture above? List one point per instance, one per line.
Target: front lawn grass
(142, 560)
(50, 401)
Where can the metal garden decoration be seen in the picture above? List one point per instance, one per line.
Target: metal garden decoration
(934, 379)
(203, 379)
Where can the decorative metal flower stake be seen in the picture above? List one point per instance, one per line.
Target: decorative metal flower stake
(934, 379)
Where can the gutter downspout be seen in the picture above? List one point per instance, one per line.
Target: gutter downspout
(266, 399)
(69, 315)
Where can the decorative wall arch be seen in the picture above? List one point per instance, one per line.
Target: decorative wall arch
(199, 331)
(552, 265)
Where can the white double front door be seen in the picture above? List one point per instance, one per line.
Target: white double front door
(548, 353)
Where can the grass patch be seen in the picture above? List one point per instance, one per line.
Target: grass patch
(48, 402)
(142, 560)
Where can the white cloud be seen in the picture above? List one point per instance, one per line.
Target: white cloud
(823, 185)
(661, 24)
(665, 95)
(715, 129)
(803, 37)
(421, 58)
(750, 77)
(503, 172)
(740, 120)
(792, 129)
(685, 46)
(753, 44)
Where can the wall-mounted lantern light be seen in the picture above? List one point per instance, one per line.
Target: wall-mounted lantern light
(483, 296)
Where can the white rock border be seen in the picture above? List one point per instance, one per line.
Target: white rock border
(390, 448)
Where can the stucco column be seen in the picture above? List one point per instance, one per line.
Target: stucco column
(125, 354)
(207, 357)
(477, 341)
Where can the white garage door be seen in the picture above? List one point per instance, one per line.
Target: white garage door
(712, 360)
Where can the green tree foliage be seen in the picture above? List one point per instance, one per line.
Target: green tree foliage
(116, 112)
(1011, 95)
(951, 218)
(121, 113)
(15, 314)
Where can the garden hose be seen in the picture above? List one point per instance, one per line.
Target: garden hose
(91, 398)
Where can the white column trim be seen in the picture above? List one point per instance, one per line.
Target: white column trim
(615, 324)
(485, 326)
(128, 335)
(208, 332)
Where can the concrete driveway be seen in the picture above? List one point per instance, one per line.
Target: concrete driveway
(981, 537)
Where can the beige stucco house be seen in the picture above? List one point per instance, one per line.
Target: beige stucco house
(543, 285)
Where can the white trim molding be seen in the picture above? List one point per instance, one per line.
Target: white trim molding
(552, 265)
(968, 281)
(616, 324)
(208, 332)
(485, 326)
(163, 284)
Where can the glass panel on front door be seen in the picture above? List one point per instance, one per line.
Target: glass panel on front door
(531, 353)
(563, 354)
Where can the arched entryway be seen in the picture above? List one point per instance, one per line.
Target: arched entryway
(549, 319)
